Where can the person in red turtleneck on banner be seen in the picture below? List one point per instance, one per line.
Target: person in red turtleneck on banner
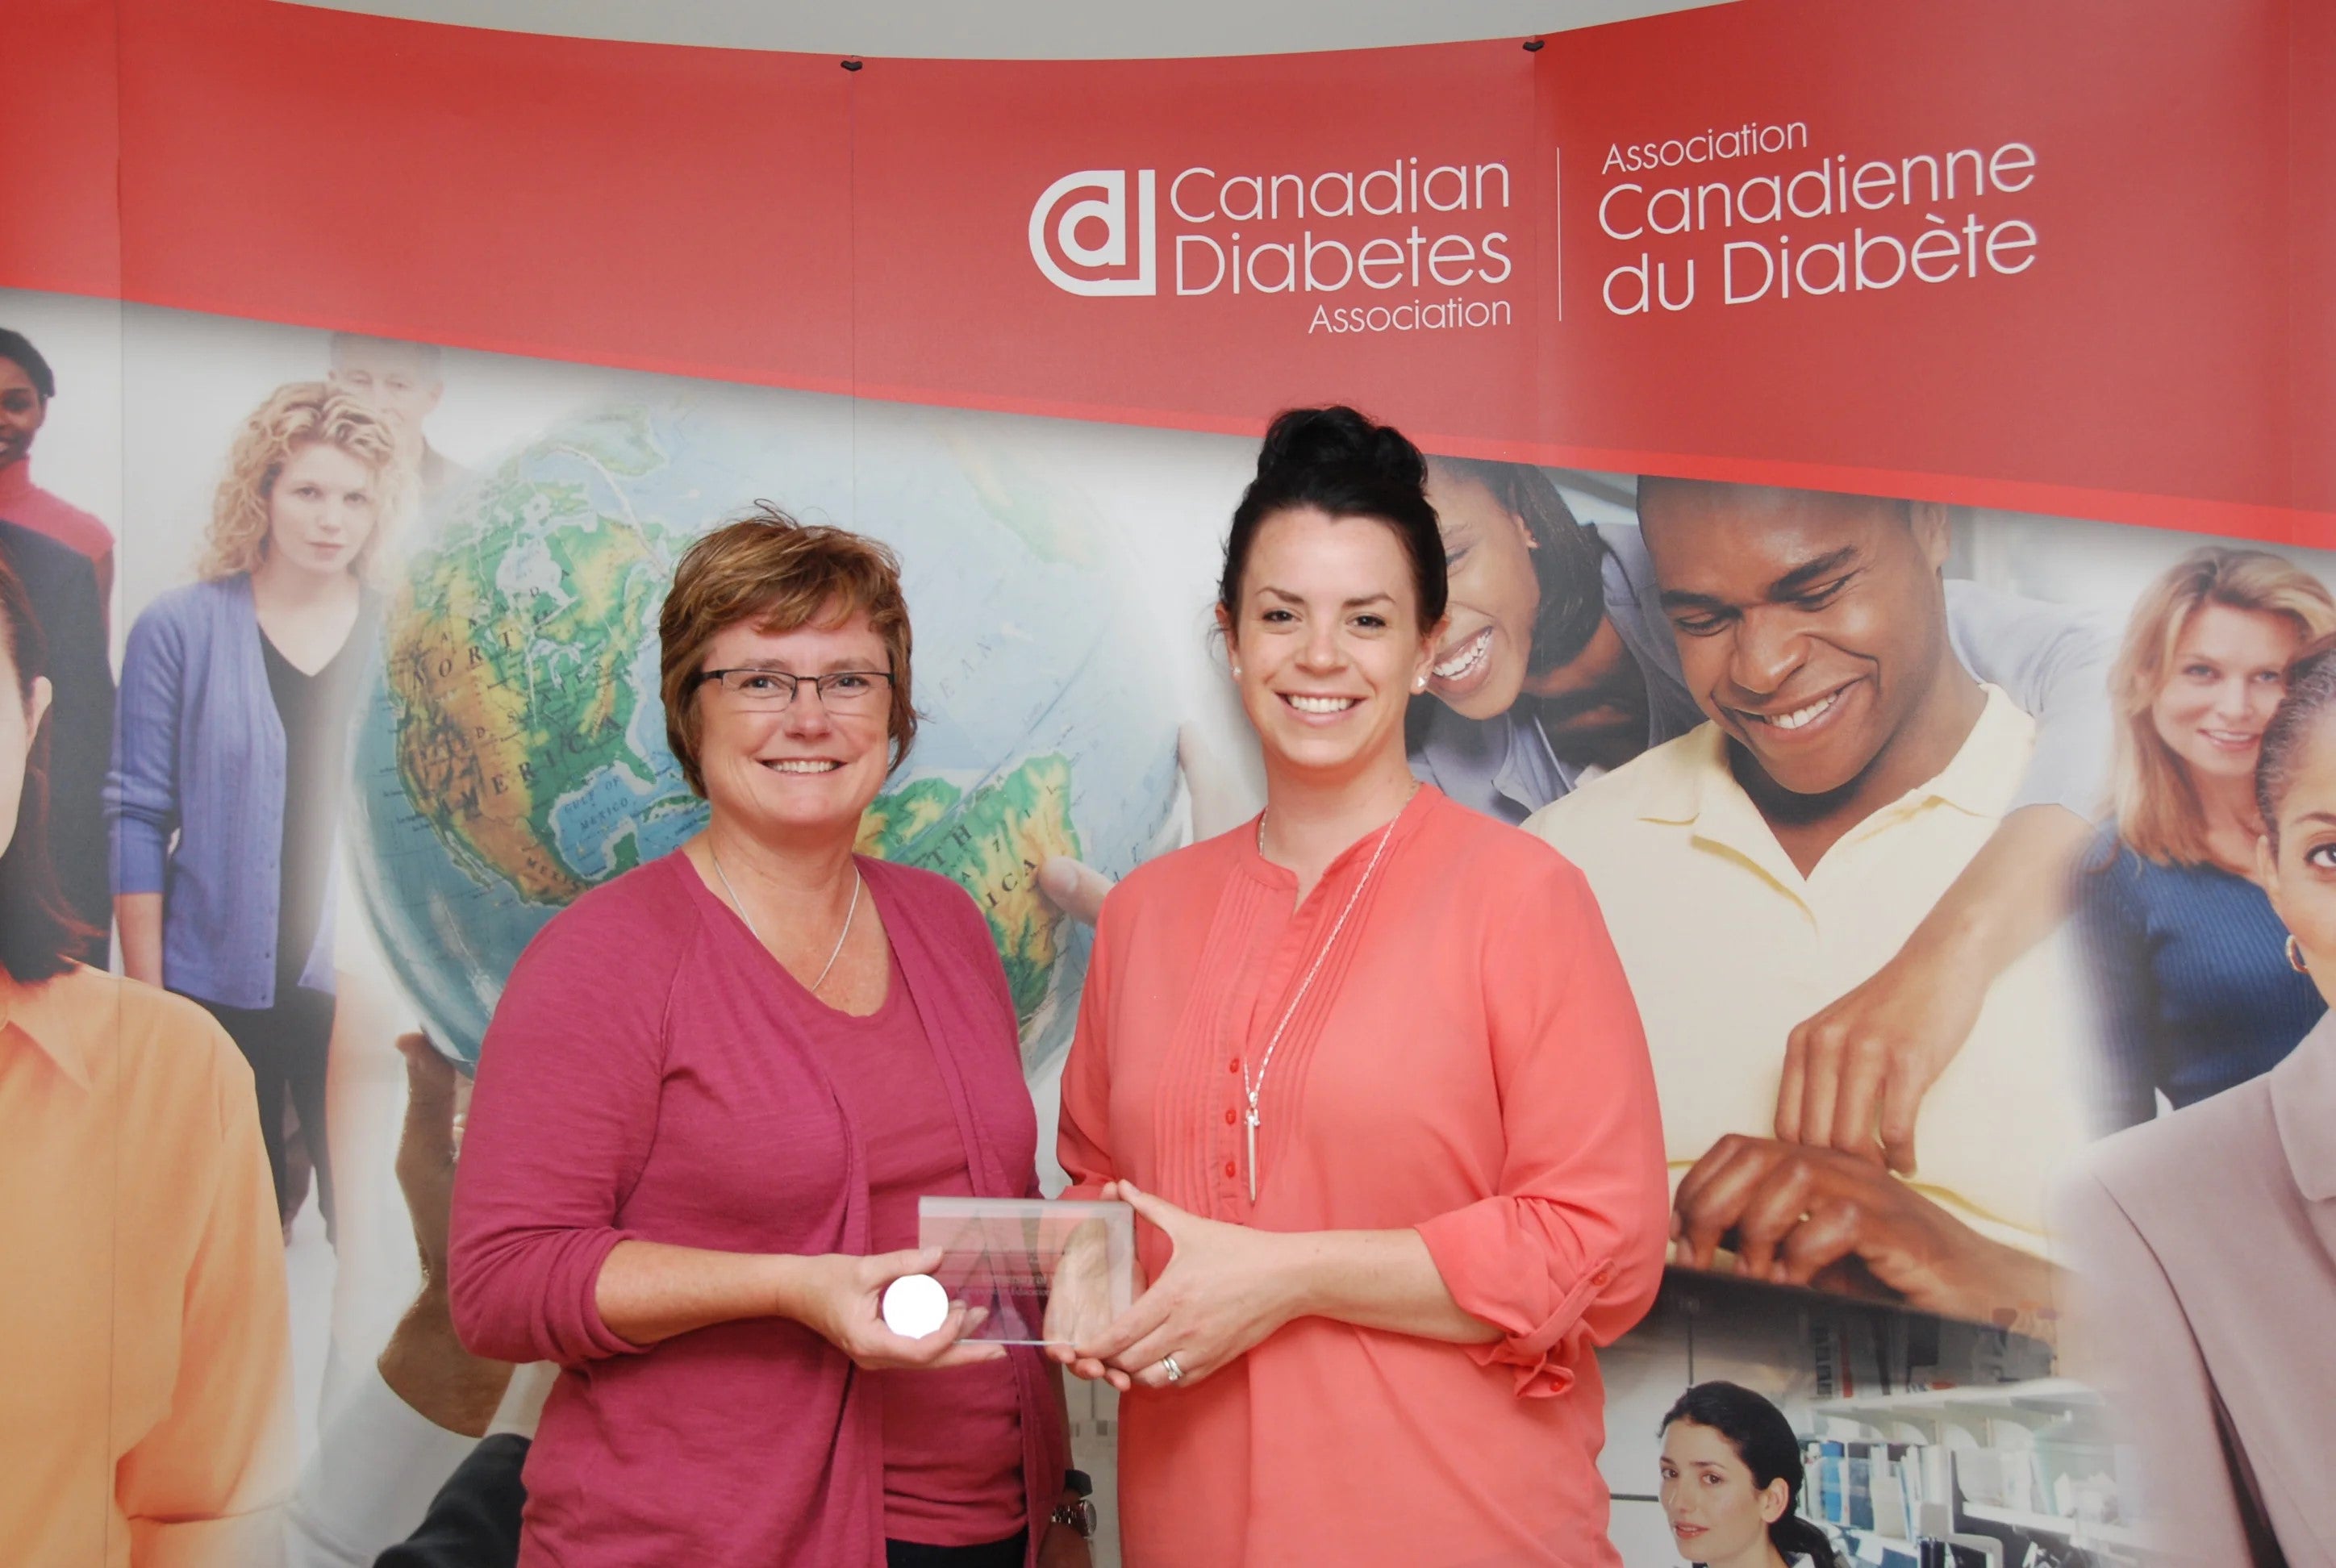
(27, 386)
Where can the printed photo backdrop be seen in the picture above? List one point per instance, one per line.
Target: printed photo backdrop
(1034, 361)
(510, 754)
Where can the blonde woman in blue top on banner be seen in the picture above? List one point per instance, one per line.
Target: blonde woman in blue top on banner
(2189, 990)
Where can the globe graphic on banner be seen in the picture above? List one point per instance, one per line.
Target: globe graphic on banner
(513, 756)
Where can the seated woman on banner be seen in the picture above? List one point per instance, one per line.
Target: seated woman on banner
(1560, 664)
(1368, 1069)
(710, 1097)
(231, 748)
(2205, 1242)
(145, 1414)
(2190, 991)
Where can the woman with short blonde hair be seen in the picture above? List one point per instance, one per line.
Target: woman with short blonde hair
(2182, 948)
(230, 746)
(712, 1094)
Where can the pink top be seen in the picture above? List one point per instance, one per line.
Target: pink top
(27, 505)
(651, 1074)
(953, 1438)
(1468, 1063)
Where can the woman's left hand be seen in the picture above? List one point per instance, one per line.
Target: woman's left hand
(1225, 1289)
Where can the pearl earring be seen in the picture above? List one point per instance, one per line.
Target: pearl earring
(1237, 672)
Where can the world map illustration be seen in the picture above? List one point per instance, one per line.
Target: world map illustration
(512, 755)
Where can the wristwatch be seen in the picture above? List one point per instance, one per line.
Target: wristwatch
(1078, 1513)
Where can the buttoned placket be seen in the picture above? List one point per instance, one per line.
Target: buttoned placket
(1250, 1014)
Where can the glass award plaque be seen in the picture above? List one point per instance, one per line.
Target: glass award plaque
(1049, 1273)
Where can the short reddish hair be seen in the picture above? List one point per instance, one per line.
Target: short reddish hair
(779, 574)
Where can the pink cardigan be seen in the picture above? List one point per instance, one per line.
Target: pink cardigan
(647, 1076)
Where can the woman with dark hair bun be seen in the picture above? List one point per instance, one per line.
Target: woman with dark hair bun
(1368, 1068)
(1732, 1482)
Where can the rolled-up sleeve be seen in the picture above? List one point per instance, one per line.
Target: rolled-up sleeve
(560, 1127)
(142, 787)
(2053, 661)
(1568, 1253)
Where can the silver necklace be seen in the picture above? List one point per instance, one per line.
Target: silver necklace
(748, 920)
(1266, 1064)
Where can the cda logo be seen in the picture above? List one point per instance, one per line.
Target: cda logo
(1421, 242)
(1092, 235)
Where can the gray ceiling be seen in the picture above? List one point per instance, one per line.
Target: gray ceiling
(1026, 29)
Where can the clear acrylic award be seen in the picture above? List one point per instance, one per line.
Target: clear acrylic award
(1049, 1273)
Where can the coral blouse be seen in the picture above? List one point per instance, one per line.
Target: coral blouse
(1468, 1063)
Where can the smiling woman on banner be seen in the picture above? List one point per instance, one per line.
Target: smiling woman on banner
(712, 1094)
(232, 735)
(1368, 1067)
(2190, 991)
(2204, 1242)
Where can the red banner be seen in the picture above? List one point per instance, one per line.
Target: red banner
(2042, 258)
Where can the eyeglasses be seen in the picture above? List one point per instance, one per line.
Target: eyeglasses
(839, 691)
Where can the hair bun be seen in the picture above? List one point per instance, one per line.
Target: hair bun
(1314, 439)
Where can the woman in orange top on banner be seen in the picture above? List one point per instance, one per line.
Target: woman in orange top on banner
(1368, 1067)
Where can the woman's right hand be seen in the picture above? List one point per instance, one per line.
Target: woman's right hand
(841, 1297)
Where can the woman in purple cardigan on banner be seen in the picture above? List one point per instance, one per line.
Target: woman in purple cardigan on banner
(711, 1095)
(230, 747)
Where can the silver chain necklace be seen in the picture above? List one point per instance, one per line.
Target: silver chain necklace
(748, 920)
(1266, 1064)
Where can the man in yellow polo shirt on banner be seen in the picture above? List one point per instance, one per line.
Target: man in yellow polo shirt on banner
(1769, 860)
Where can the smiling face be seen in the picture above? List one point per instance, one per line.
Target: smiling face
(1716, 1514)
(2224, 682)
(321, 510)
(805, 769)
(1812, 628)
(1488, 554)
(1327, 645)
(23, 410)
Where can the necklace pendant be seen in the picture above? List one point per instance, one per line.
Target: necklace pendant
(1252, 1133)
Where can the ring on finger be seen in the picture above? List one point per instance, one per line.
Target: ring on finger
(1175, 1374)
